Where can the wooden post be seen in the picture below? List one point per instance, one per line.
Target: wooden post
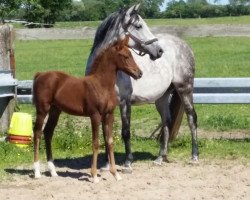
(7, 64)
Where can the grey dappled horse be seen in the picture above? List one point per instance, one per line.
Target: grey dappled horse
(168, 76)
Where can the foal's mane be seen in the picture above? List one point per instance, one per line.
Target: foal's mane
(107, 51)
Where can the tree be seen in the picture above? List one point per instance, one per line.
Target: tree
(52, 9)
(33, 11)
(7, 8)
(176, 9)
(151, 8)
(44, 11)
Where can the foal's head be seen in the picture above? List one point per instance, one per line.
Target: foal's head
(124, 59)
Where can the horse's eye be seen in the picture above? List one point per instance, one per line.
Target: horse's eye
(138, 26)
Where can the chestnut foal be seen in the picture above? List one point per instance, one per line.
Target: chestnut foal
(92, 96)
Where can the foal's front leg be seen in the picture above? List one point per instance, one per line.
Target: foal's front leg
(95, 122)
(107, 126)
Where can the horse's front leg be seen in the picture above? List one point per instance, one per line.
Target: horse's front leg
(95, 122)
(107, 126)
(125, 110)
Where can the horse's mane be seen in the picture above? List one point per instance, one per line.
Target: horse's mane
(105, 33)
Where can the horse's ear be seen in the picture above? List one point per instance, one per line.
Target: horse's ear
(130, 10)
(137, 7)
(128, 14)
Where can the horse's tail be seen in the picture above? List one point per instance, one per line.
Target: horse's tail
(33, 88)
(176, 110)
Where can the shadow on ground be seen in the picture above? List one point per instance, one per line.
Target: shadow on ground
(79, 163)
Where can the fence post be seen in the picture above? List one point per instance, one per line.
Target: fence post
(7, 66)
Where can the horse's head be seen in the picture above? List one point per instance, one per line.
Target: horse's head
(124, 59)
(140, 37)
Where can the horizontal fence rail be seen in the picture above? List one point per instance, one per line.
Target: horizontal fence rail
(222, 90)
(7, 84)
(206, 91)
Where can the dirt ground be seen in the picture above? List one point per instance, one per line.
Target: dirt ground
(175, 180)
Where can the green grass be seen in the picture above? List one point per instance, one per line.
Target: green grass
(67, 55)
(215, 57)
(221, 56)
(163, 22)
(199, 21)
(160, 22)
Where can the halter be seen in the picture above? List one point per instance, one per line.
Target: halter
(136, 39)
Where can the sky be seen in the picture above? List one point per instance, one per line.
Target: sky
(220, 2)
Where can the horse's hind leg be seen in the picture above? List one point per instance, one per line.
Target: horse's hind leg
(162, 106)
(54, 114)
(40, 116)
(186, 94)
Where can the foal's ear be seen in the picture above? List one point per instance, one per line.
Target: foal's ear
(125, 40)
(122, 43)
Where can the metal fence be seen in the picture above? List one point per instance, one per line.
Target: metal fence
(206, 91)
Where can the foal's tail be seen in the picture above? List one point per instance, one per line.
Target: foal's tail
(33, 88)
(176, 110)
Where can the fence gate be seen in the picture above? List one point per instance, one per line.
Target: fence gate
(7, 75)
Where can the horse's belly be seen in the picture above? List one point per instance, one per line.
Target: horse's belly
(147, 92)
(153, 84)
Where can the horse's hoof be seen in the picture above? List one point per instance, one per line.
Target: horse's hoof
(118, 177)
(127, 169)
(195, 160)
(158, 161)
(105, 168)
(96, 180)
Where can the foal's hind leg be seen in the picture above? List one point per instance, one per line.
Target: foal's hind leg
(40, 116)
(162, 106)
(107, 126)
(54, 114)
(186, 94)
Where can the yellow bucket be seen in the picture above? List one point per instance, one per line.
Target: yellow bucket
(20, 131)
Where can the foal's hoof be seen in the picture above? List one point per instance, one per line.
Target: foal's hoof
(96, 180)
(118, 177)
(53, 174)
(37, 175)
